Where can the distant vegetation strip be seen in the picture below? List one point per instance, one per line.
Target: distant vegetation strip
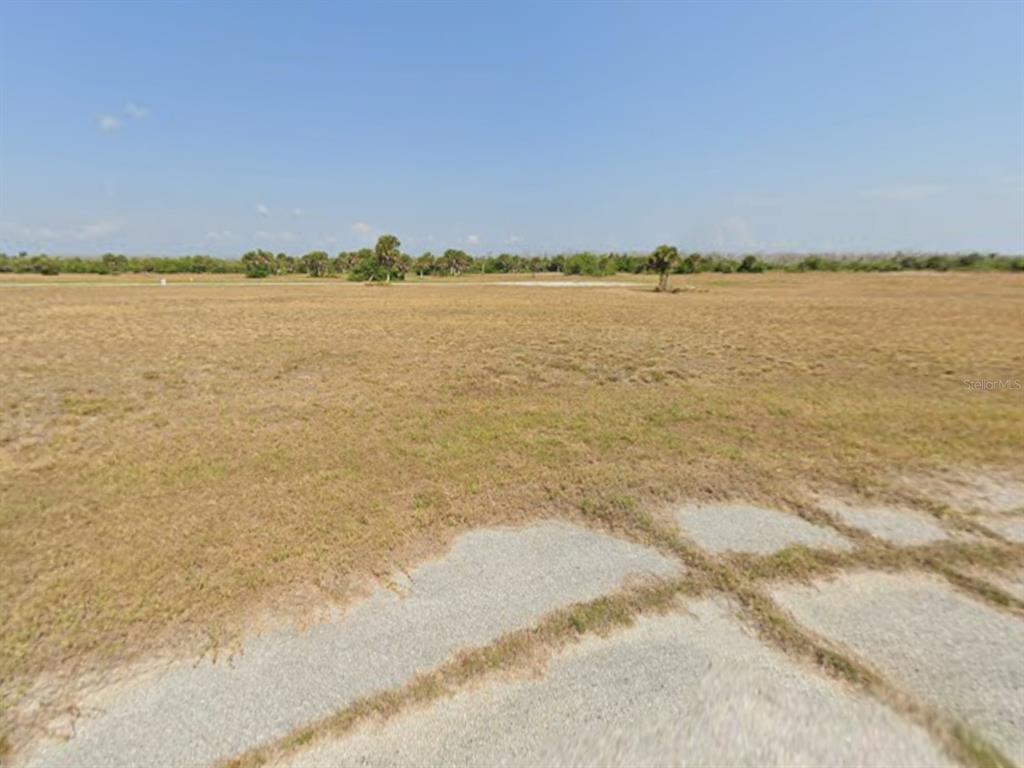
(389, 262)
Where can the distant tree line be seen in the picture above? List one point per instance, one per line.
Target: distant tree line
(386, 261)
(116, 264)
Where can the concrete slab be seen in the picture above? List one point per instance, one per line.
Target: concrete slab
(672, 690)
(934, 642)
(983, 491)
(741, 528)
(903, 527)
(491, 582)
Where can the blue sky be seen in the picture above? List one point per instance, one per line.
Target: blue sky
(219, 127)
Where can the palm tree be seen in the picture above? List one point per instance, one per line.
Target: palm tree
(662, 261)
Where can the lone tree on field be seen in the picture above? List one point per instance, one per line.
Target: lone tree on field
(664, 258)
(388, 254)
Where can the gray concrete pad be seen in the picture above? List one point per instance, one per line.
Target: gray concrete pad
(741, 528)
(491, 582)
(930, 640)
(674, 690)
(1011, 528)
(986, 492)
(903, 527)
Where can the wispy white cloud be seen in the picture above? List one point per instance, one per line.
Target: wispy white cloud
(262, 210)
(134, 110)
(473, 239)
(513, 240)
(299, 212)
(109, 123)
(362, 229)
(221, 235)
(905, 191)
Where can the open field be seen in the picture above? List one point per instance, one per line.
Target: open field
(175, 461)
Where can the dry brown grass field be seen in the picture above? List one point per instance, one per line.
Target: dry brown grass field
(176, 460)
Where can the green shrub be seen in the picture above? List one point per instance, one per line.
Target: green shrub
(587, 263)
(751, 263)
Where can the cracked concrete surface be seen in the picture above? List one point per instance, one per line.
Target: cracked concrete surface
(680, 689)
(692, 687)
(948, 649)
(491, 582)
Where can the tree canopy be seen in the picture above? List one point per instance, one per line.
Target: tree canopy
(662, 260)
(365, 264)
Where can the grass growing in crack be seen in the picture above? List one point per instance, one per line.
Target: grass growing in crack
(512, 651)
(796, 563)
(975, 751)
(990, 593)
(800, 563)
(775, 627)
(735, 576)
